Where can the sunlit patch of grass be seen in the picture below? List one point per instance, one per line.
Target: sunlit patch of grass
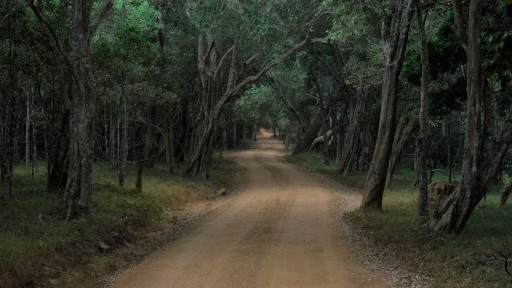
(463, 260)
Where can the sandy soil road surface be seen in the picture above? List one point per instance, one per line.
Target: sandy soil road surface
(279, 231)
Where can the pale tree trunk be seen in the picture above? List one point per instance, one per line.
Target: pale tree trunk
(402, 135)
(123, 145)
(483, 153)
(395, 32)
(34, 139)
(27, 132)
(423, 139)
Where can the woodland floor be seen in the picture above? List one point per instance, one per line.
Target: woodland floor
(39, 249)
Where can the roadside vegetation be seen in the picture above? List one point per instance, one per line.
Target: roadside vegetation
(39, 249)
(473, 258)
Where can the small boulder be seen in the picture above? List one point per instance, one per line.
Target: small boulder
(439, 190)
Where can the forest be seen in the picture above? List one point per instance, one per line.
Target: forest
(108, 107)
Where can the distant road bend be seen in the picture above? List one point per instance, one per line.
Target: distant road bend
(279, 231)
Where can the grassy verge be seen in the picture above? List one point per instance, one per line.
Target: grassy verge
(39, 249)
(464, 260)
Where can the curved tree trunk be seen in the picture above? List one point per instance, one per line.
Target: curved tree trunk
(505, 193)
(307, 139)
(402, 135)
(394, 45)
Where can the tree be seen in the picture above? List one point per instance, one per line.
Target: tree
(483, 151)
(214, 98)
(78, 192)
(395, 19)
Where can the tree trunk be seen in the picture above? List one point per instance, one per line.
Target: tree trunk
(351, 134)
(34, 140)
(78, 193)
(506, 192)
(27, 132)
(307, 139)
(150, 138)
(402, 135)
(169, 140)
(123, 144)
(394, 44)
(423, 139)
(253, 138)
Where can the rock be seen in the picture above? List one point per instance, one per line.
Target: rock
(221, 192)
(104, 247)
(439, 190)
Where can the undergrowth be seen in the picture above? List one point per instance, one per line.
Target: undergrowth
(37, 246)
(470, 259)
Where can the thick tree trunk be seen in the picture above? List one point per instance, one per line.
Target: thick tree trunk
(78, 193)
(395, 32)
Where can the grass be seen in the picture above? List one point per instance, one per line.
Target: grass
(37, 246)
(463, 260)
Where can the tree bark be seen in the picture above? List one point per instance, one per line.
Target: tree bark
(395, 32)
(423, 139)
(78, 193)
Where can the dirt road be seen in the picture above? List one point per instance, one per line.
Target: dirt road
(280, 231)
